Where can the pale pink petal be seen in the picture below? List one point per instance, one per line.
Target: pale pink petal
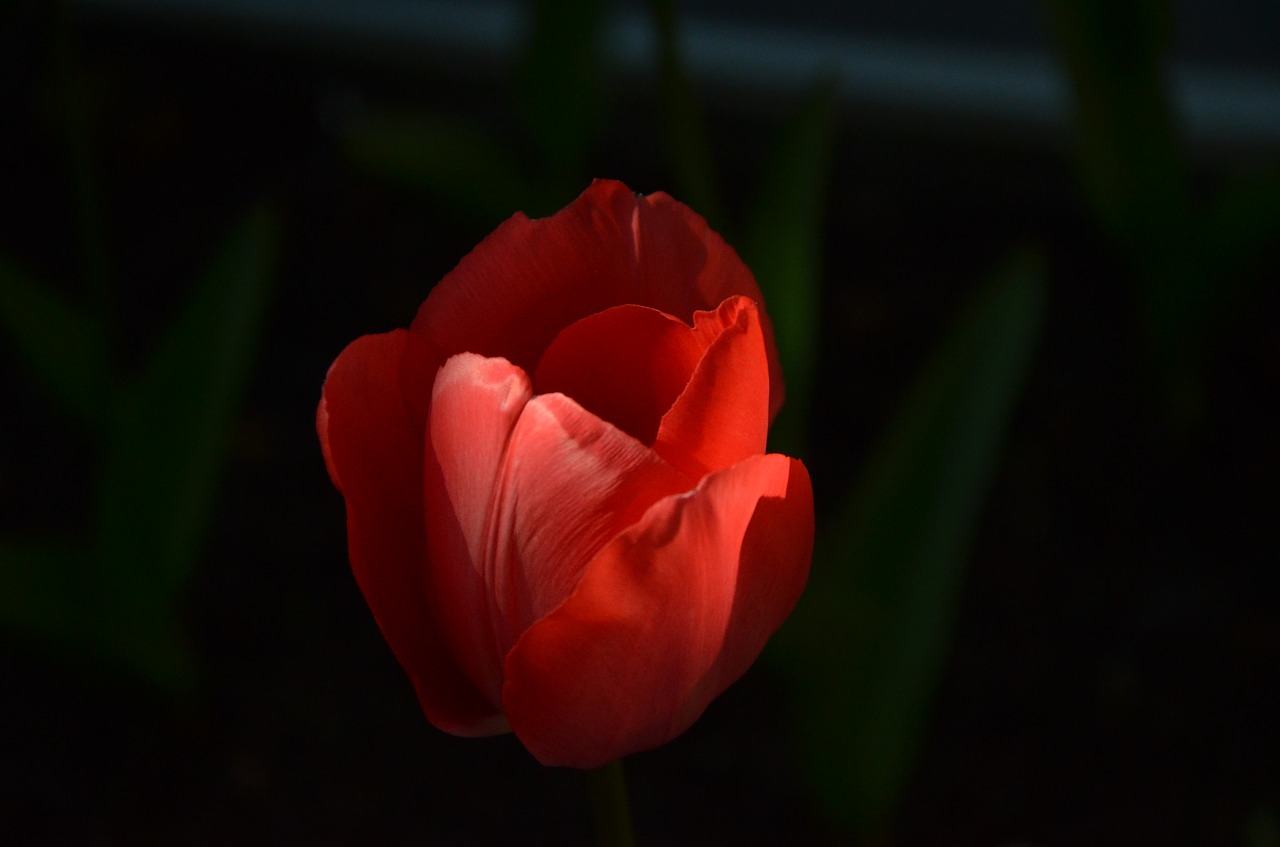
(573, 482)
(521, 492)
(474, 408)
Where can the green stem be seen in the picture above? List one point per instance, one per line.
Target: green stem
(608, 788)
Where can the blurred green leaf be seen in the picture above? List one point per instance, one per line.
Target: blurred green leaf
(1136, 176)
(561, 95)
(1263, 829)
(1130, 155)
(870, 636)
(448, 158)
(165, 452)
(1242, 226)
(63, 346)
(42, 589)
(684, 125)
(1235, 235)
(782, 245)
(49, 590)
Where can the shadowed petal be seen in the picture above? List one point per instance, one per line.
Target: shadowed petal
(374, 455)
(626, 365)
(530, 279)
(666, 617)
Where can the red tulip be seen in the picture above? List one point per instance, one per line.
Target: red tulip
(559, 506)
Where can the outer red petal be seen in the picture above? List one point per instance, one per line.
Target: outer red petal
(532, 278)
(665, 618)
(722, 416)
(374, 456)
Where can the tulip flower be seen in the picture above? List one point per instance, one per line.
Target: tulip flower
(559, 505)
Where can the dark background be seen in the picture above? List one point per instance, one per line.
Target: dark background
(1111, 676)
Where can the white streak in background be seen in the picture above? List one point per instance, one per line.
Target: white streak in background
(1218, 107)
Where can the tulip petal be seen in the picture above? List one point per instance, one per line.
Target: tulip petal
(722, 415)
(626, 365)
(521, 493)
(530, 279)
(574, 482)
(370, 448)
(475, 405)
(665, 618)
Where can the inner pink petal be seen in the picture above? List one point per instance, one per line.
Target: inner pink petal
(476, 405)
(571, 483)
(627, 365)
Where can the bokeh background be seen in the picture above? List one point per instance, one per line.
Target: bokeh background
(1022, 258)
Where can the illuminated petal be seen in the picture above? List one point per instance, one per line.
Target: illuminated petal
(667, 616)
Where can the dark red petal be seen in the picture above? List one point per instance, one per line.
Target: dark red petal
(722, 415)
(626, 365)
(532, 278)
(665, 618)
(375, 458)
